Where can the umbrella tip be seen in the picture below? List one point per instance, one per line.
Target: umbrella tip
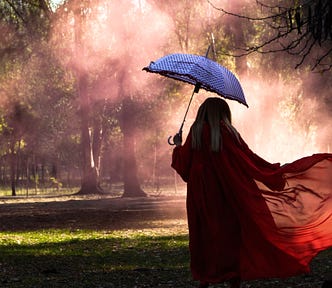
(147, 68)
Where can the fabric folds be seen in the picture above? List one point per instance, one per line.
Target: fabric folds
(249, 218)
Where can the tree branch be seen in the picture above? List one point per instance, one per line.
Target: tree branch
(320, 59)
(15, 10)
(246, 17)
(311, 19)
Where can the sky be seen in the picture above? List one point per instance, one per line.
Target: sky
(56, 3)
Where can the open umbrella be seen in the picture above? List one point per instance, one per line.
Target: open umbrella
(201, 72)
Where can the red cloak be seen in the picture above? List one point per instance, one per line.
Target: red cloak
(249, 218)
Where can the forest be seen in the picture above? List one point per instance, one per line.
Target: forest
(78, 114)
(88, 197)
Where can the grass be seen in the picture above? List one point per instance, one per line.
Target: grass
(126, 258)
(83, 258)
(7, 192)
(107, 242)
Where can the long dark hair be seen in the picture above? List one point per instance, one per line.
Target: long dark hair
(212, 111)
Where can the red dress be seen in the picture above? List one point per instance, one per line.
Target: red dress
(249, 218)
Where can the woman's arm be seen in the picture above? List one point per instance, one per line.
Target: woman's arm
(181, 158)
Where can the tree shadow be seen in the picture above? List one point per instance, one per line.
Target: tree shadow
(146, 261)
(97, 214)
(143, 261)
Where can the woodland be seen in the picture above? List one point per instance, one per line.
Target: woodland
(87, 194)
(77, 113)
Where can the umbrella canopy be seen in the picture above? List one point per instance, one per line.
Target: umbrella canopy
(201, 72)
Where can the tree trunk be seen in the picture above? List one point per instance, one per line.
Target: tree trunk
(233, 28)
(90, 181)
(13, 170)
(12, 179)
(130, 178)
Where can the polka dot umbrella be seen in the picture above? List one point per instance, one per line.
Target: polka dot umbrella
(199, 71)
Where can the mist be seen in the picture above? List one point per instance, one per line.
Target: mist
(277, 130)
(269, 125)
(289, 114)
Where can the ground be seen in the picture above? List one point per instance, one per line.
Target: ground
(157, 257)
(89, 212)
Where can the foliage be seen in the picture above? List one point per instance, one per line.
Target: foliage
(302, 29)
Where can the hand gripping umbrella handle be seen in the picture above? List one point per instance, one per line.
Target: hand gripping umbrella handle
(177, 138)
(179, 135)
(196, 89)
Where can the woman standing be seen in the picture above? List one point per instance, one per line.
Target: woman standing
(248, 218)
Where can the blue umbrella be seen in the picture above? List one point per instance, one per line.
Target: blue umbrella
(201, 72)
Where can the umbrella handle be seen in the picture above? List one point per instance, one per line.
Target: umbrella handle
(177, 136)
(169, 141)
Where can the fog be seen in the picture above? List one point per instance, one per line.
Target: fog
(111, 41)
(282, 122)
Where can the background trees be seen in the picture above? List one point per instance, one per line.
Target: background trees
(23, 24)
(76, 109)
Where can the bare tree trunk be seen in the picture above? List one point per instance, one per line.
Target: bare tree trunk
(132, 186)
(155, 173)
(35, 172)
(27, 177)
(13, 172)
(98, 136)
(90, 184)
(233, 28)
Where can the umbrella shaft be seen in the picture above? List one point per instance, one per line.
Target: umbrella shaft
(196, 89)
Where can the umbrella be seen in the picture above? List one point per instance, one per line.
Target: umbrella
(201, 72)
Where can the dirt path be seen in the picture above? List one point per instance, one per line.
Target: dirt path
(90, 212)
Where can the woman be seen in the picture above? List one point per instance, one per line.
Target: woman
(248, 218)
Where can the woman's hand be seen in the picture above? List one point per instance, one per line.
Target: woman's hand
(177, 139)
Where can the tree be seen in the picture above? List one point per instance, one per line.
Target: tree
(82, 14)
(128, 126)
(98, 70)
(302, 29)
(19, 121)
(23, 24)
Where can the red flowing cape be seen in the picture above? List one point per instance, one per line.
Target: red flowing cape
(249, 218)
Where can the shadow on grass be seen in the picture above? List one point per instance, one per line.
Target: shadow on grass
(109, 243)
(140, 261)
(116, 260)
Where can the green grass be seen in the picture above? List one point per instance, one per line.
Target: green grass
(125, 258)
(6, 192)
(81, 258)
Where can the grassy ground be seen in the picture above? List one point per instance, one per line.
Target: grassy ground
(83, 258)
(105, 242)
